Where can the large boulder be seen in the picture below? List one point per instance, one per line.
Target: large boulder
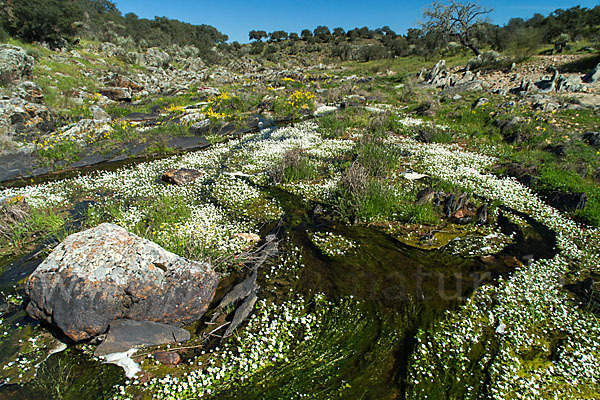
(106, 273)
(15, 64)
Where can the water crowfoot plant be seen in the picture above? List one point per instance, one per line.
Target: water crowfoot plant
(331, 244)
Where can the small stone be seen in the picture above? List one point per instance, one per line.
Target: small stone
(249, 237)
(488, 259)
(167, 357)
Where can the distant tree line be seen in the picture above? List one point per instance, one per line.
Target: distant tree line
(558, 28)
(54, 20)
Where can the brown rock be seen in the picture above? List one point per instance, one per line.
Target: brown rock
(488, 259)
(116, 93)
(167, 357)
(512, 262)
(181, 176)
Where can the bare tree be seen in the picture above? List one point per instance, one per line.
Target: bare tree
(457, 19)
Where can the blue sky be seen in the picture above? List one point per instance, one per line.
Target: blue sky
(237, 18)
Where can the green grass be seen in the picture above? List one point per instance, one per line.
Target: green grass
(36, 224)
(375, 202)
(302, 169)
(424, 214)
(61, 151)
(336, 125)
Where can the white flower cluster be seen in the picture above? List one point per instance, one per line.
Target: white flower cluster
(270, 335)
(289, 263)
(268, 149)
(331, 244)
(320, 192)
(211, 228)
(531, 313)
(471, 246)
(238, 196)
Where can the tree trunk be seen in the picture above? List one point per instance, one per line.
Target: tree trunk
(474, 49)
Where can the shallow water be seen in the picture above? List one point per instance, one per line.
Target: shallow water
(363, 352)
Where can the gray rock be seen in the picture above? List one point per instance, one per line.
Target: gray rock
(186, 143)
(125, 334)
(30, 91)
(450, 205)
(155, 57)
(593, 76)
(434, 75)
(480, 102)
(482, 214)
(200, 128)
(569, 84)
(241, 314)
(15, 64)
(524, 87)
(462, 201)
(110, 49)
(548, 85)
(239, 291)
(98, 114)
(106, 273)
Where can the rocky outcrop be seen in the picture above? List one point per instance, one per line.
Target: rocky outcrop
(29, 91)
(106, 273)
(451, 82)
(155, 57)
(20, 116)
(560, 83)
(85, 128)
(15, 64)
(98, 114)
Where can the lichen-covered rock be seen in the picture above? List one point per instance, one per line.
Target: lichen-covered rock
(29, 91)
(20, 116)
(15, 63)
(106, 273)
